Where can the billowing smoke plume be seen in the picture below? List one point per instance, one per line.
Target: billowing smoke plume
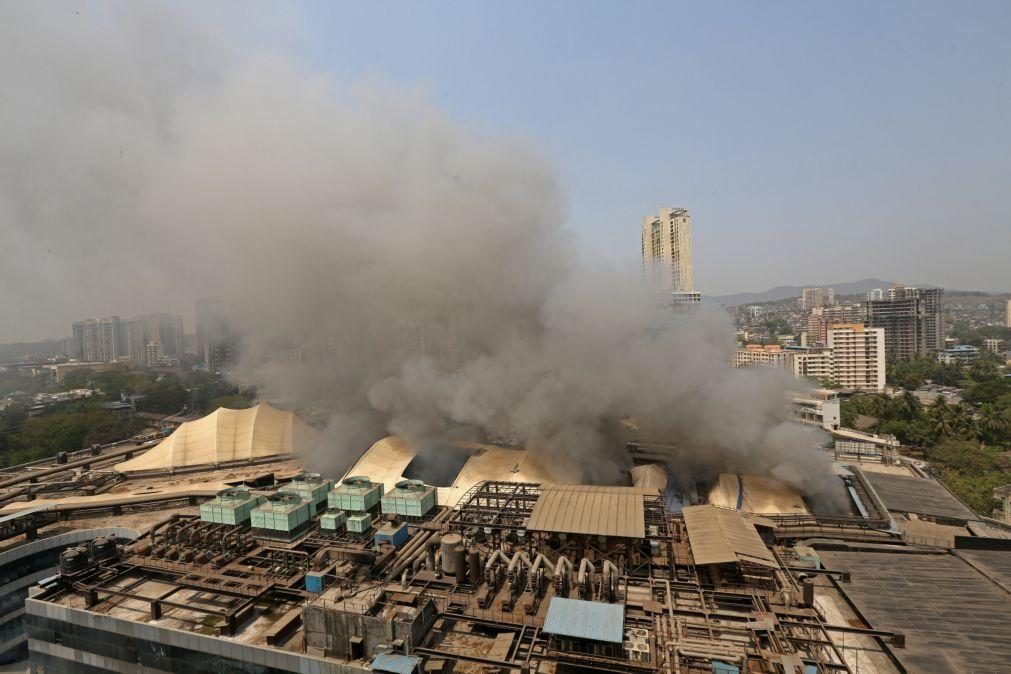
(387, 267)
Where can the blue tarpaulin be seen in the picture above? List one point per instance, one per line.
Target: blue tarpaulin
(395, 664)
(592, 620)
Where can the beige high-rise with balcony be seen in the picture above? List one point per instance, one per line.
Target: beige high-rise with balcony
(858, 356)
(667, 250)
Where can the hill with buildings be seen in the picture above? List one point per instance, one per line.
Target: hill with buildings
(786, 292)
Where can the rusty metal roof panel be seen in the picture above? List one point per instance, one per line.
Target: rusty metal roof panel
(720, 536)
(599, 511)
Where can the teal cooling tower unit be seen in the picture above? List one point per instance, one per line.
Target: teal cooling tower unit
(231, 506)
(355, 494)
(410, 498)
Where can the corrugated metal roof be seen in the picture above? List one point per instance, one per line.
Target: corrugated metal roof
(395, 663)
(592, 620)
(601, 511)
(719, 536)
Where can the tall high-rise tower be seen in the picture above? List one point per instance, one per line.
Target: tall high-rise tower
(667, 253)
(911, 318)
(100, 339)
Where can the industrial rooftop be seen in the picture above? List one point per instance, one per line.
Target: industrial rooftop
(205, 568)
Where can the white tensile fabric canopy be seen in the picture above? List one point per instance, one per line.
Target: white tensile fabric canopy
(228, 435)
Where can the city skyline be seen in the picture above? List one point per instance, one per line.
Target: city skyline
(851, 160)
(366, 374)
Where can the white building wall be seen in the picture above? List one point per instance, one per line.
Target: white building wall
(858, 355)
(667, 249)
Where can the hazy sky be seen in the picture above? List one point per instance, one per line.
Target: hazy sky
(813, 142)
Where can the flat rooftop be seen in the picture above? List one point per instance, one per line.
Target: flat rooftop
(923, 496)
(954, 617)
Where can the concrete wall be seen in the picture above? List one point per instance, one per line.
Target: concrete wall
(331, 630)
(70, 640)
(27, 564)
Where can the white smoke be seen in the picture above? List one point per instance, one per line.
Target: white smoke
(421, 268)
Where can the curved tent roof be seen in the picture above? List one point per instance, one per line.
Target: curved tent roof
(387, 460)
(754, 494)
(228, 435)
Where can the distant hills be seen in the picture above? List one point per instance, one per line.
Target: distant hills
(19, 351)
(786, 292)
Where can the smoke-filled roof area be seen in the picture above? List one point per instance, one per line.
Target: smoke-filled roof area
(422, 267)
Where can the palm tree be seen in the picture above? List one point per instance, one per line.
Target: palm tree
(967, 426)
(909, 405)
(941, 404)
(992, 422)
(940, 423)
(877, 405)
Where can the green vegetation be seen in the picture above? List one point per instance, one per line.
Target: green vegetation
(912, 374)
(773, 326)
(975, 336)
(73, 425)
(67, 428)
(968, 443)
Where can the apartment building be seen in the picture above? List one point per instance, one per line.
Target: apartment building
(994, 345)
(822, 318)
(858, 356)
(958, 354)
(811, 362)
(811, 298)
(667, 253)
(768, 355)
(163, 329)
(99, 340)
(911, 318)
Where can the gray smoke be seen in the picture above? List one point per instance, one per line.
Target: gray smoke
(390, 269)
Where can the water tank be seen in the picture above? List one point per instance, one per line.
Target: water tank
(103, 548)
(450, 542)
(73, 560)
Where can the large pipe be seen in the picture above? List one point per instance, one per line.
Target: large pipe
(162, 524)
(563, 576)
(431, 548)
(610, 569)
(407, 557)
(416, 545)
(516, 559)
(541, 559)
(498, 554)
(585, 567)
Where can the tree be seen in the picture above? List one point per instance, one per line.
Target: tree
(909, 405)
(987, 391)
(77, 378)
(232, 402)
(941, 424)
(877, 405)
(985, 368)
(993, 424)
(971, 470)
